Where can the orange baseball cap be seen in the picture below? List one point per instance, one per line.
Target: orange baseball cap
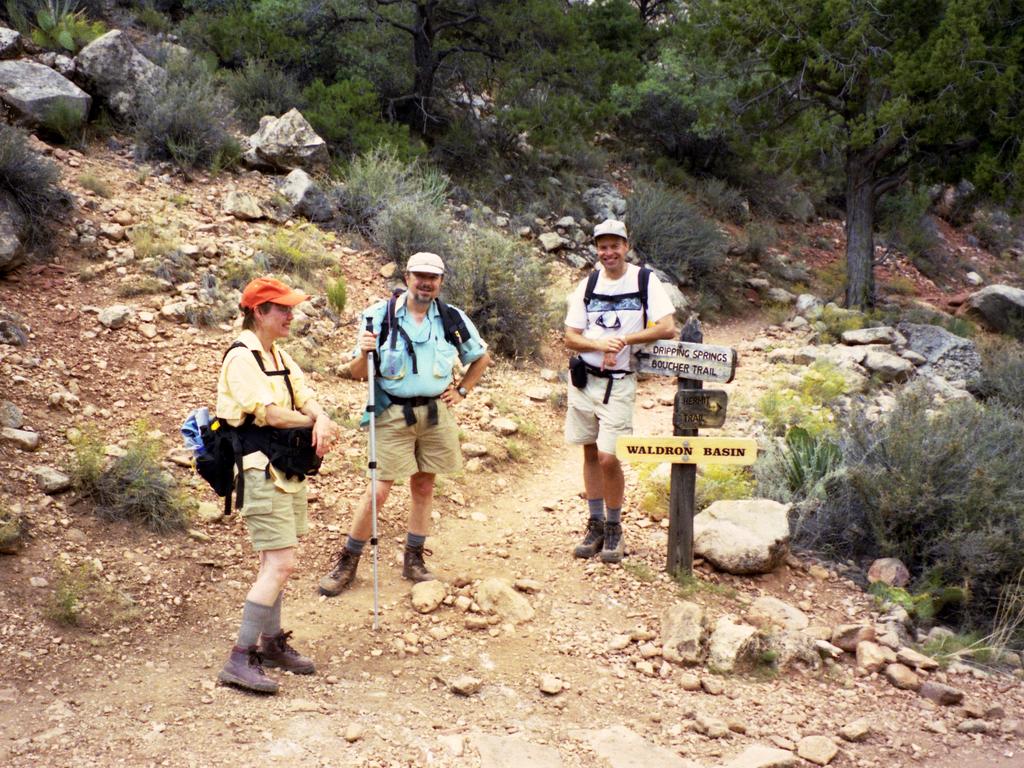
(264, 289)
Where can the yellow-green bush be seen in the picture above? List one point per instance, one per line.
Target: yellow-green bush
(717, 482)
(805, 405)
(296, 251)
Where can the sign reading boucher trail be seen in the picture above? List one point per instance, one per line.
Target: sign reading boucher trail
(687, 360)
(687, 450)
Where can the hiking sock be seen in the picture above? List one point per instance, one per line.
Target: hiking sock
(414, 540)
(254, 619)
(273, 625)
(596, 507)
(614, 514)
(355, 546)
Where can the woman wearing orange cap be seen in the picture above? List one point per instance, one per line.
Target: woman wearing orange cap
(260, 392)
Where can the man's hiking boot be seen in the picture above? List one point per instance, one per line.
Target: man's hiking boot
(342, 576)
(276, 651)
(593, 539)
(243, 668)
(413, 567)
(613, 547)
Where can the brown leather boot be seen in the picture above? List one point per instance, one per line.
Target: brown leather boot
(413, 567)
(277, 652)
(342, 576)
(244, 670)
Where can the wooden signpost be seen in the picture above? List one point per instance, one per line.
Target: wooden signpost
(695, 407)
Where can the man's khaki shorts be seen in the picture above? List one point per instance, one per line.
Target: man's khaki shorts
(589, 420)
(403, 450)
(275, 519)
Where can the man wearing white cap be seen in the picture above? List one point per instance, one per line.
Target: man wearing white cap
(417, 339)
(616, 307)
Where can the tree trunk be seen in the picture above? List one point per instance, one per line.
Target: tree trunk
(425, 65)
(860, 223)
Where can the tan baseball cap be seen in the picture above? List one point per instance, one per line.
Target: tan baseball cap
(424, 261)
(611, 227)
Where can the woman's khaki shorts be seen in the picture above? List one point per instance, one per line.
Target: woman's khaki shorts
(275, 519)
(589, 420)
(403, 450)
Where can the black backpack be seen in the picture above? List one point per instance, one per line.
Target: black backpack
(289, 450)
(455, 331)
(643, 280)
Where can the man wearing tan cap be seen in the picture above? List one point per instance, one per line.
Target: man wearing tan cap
(417, 339)
(615, 308)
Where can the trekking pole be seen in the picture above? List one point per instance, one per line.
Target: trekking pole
(370, 408)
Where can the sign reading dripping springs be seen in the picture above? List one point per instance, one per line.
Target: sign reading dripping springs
(692, 363)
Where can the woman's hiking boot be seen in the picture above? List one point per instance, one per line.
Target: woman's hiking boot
(613, 547)
(592, 541)
(413, 567)
(276, 651)
(244, 669)
(342, 576)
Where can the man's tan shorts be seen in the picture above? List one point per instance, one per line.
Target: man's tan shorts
(403, 450)
(275, 519)
(590, 420)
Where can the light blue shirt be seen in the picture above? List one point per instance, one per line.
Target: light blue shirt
(435, 357)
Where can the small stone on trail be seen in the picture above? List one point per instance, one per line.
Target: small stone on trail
(760, 756)
(550, 685)
(858, 730)
(529, 586)
(940, 693)
(465, 685)
(427, 595)
(820, 750)
(354, 732)
(712, 685)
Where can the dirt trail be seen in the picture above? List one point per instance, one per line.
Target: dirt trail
(381, 698)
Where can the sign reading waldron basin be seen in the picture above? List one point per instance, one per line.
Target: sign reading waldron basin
(687, 450)
(702, 362)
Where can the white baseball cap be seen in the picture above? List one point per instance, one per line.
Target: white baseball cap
(611, 227)
(425, 261)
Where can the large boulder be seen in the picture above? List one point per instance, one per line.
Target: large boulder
(285, 143)
(112, 69)
(34, 92)
(605, 202)
(306, 198)
(948, 355)
(1000, 307)
(10, 43)
(743, 537)
(732, 644)
(12, 232)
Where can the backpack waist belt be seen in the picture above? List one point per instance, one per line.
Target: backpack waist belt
(606, 373)
(408, 403)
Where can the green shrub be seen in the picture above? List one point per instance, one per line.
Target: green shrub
(134, 486)
(347, 114)
(33, 182)
(182, 120)
(59, 25)
(1002, 378)
(809, 459)
(259, 89)
(760, 237)
(502, 287)
(64, 121)
(12, 528)
(377, 179)
(805, 404)
(724, 201)
(87, 460)
(151, 19)
(407, 226)
(717, 482)
(941, 490)
(82, 596)
(337, 294)
(671, 234)
(959, 326)
(92, 182)
(836, 321)
(297, 251)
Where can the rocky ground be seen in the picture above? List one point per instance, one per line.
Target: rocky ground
(570, 668)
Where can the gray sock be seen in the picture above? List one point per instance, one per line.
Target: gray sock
(273, 625)
(355, 546)
(415, 540)
(614, 514)
(254, 618)
(596, 507)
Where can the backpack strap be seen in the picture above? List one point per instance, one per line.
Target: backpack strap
(456, 332)
(387, 322)
(259, 361)
(644, 279)
(588, 293)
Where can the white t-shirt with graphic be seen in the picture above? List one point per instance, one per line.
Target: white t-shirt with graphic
(617, 316)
